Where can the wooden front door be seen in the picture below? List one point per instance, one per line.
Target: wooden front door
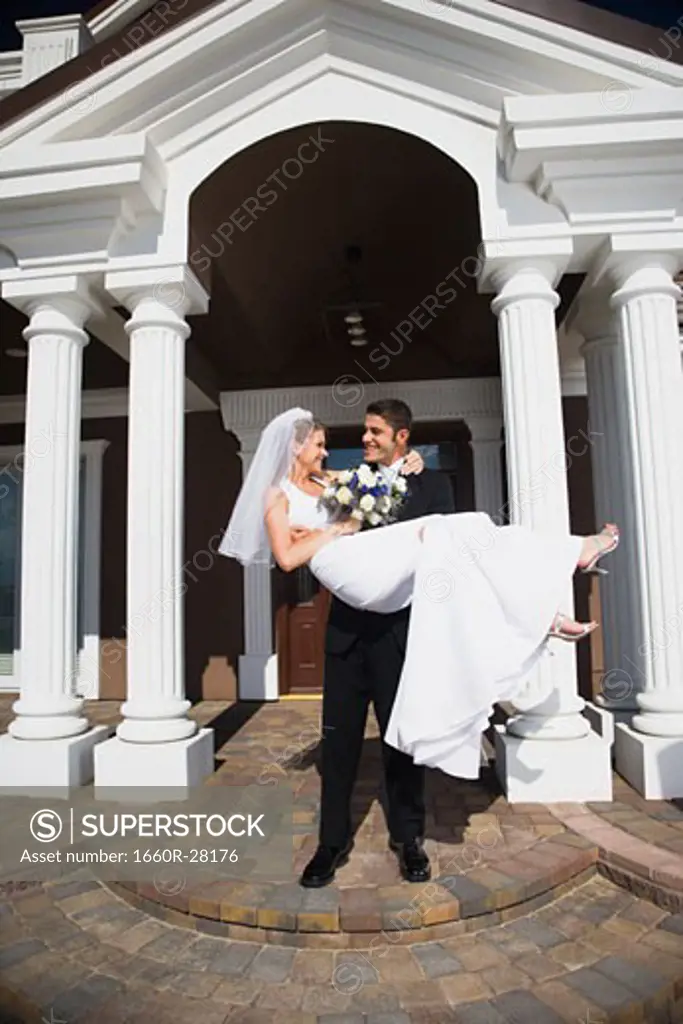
(303, 606)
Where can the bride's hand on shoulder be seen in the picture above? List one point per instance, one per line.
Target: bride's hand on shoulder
(413, 463)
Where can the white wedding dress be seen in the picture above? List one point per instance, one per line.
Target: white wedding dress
(483, 598)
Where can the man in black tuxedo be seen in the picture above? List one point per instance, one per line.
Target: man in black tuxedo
(364, 653)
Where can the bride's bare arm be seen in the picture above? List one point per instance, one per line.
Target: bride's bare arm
(291, 552)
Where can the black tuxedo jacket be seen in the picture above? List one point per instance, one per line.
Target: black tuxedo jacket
(429, 493)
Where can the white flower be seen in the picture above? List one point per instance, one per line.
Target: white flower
(366, 475)
(374, 519)
(401, 484)
(367, 503)
(345, 476)
(384, 504)
(344, 496)
(329, 492)
(357, 514)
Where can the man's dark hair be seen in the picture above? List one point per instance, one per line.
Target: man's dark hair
(394, 411)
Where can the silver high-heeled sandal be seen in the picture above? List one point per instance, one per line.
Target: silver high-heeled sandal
(557, 632)
(592, 567)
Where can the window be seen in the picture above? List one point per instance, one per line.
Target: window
(436, 456)
(88, 556)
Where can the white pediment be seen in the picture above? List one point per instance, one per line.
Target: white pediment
(471, 77)
(473, 53)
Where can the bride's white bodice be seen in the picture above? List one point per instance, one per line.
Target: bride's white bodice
(304, 509)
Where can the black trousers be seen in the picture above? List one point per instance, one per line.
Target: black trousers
(367, 672)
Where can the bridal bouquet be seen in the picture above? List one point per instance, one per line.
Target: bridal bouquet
(365, 495)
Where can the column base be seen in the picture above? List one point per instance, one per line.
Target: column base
(653, 765)
(178, 765)
(258, 677)
(601, 721)
(49, 765)
(537, 771)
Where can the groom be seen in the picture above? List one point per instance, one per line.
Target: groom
(364, 653)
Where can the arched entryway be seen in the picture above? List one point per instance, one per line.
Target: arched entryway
(293, 235)
(289, 236)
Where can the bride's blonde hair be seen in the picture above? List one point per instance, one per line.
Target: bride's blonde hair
(303, 430)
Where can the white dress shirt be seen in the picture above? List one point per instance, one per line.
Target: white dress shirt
(390, 473)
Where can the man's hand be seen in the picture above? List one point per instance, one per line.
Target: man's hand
(413, 463)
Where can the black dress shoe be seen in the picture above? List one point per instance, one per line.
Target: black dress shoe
(413, 861)
(323, 865)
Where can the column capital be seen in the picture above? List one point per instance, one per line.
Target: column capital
(248, 438)
(70, 296)
(517, 281)
(485, 429)
(621, 256)
(645, 276)
(174, 290)
(594, 318)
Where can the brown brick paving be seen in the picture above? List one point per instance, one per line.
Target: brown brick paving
(515, 925)
(553, 961)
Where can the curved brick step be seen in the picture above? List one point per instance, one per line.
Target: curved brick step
(651, 871)
(505, 877)
(76, 952)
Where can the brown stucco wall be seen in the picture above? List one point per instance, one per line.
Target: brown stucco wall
(582, 517)
(213, 601)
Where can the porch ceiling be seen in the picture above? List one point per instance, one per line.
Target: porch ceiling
(414, 214)
(102, 368)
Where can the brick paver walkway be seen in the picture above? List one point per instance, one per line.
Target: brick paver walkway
(520, 929)
(659, 822)
(74, 952)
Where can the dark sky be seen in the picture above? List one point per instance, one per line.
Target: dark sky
(661, 13)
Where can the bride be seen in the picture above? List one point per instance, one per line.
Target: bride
(484, 598)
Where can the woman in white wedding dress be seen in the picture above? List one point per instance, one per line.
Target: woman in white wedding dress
(484, 599)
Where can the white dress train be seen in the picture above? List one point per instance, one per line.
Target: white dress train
(483, 598)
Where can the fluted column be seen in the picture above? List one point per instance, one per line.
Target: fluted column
(537, 472)
(577, 766)
(258, 678)
(55, 337)
(156, 743)
(486, 444)
(645, 301)
(156, 709)
(50, 742)
(611, 459)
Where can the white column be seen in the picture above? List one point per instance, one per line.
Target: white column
(650, 751)
(577, 767)
(486, 443)
(611, 460)
(157, 744)
(257, 670)
(50, 741)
